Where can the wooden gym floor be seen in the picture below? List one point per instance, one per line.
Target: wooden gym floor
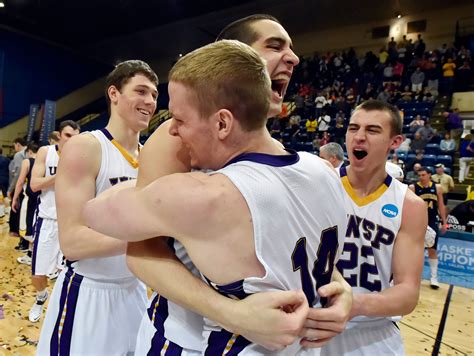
(421, 329)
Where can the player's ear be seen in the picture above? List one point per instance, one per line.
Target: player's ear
(225, 121)
(396, 142)
(113, 92)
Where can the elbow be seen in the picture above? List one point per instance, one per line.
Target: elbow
(69, 252)
(35, 187)
(411, 303)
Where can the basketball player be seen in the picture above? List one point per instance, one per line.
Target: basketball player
(384, 236)
(257, 317)
(432, 194)
(97, 303)
(226, 219)
(30, 202)
(47, 255)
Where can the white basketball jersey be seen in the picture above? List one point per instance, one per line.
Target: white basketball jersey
(47, 202)
(114, 168)
(372, 227)
(296, 206)
(181, 326)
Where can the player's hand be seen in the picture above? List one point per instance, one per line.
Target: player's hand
(444, 227)
(272, 319)
(15, 205)
(323, 324)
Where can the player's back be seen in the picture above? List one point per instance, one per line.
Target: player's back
(295, 203)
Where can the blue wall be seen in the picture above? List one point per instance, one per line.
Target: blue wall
(33, 71)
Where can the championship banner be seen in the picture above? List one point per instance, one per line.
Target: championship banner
(455, 262)
(34, 111)
(49, 120)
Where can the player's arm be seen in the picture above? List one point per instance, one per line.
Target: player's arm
(158, 210)
(441, 208)
(25, 167)
(75, 185)
(451, 184)
(402, 298)
(259, 317)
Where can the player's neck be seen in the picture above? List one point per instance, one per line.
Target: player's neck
(256, 142)
(124, 135)
(261, 142)
(366, 182)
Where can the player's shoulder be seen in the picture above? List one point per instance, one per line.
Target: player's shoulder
(85, 142)
(413, 202)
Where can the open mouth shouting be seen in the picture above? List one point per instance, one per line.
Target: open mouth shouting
(359, 154)
(280, 84)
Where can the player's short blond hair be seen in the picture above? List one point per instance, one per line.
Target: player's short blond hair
(228, 75)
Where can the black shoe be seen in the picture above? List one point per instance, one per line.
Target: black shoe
(21, 248)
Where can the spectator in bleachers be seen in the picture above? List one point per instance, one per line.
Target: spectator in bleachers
(405, 145)
(369, 92)
(447, 144)
(417, 78)
(444, 180)
(308, 106)
(311, 126)
(454, 124)
(388, 72)
(383, 55)
(406, 94)
(4, 173)
(323, 123)
(417, 144)
(294, 125)
(419, 46)
(398, 71)
(339, 131)
(333, 153)
(419, 155)
(350, 97)
(428, 96)
(412, 176)
(426, 132)
(416, 124)
(466, 151)
(402, 50)
(275, 127)
(325, 139)
(463, 77)
(319, 103)
(448, 75)
(299, 104)
(384, 95)
(396, 160)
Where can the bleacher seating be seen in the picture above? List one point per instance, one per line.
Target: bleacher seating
(432, 149)
(429, 160)
(447, 160)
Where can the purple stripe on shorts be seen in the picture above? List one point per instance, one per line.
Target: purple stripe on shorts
(71, 302)
(39, 222)
(218, 340)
